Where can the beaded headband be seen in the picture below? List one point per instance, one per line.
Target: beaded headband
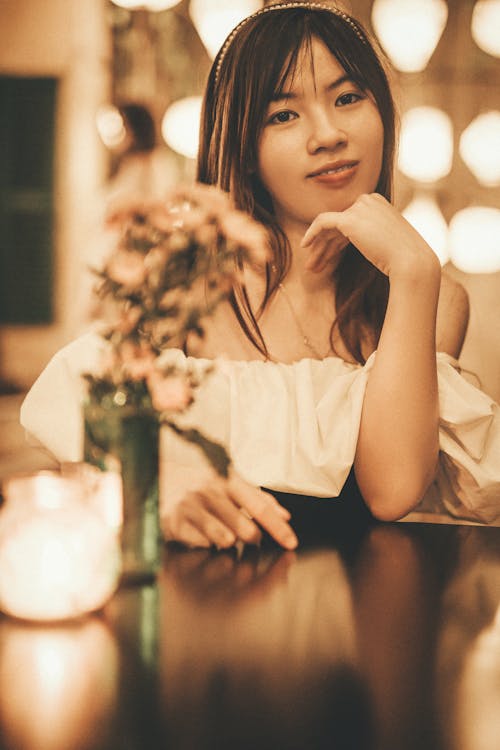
(284, 6)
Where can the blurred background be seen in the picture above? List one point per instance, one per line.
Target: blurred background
(101, 98)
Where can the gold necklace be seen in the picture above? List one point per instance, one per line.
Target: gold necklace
(307, 342)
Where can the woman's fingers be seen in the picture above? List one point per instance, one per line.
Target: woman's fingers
(265, 510)
(326, 222)
(192, 524)
(217, 502)
(221, 511)
(210, 525)
(324, 240)
(325, 253)
(182, 530)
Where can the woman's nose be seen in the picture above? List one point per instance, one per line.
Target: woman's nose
(324, 133)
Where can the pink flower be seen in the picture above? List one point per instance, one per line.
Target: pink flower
(172, 298)
(206, 235)
(128, 319)
(127, 268)
(244, 231)
(170, 392)
(160, 217)
(212, 199)
(185, 299)
(137, 360)
(108, 364)
(189, 218)
(162, 329)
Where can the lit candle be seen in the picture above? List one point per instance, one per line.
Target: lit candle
(58, 557)
(101, 489)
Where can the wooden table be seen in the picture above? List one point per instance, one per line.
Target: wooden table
(379, 636)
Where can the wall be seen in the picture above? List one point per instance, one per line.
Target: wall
(67, 39)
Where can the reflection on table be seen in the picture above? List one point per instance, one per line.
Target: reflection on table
(383, 636)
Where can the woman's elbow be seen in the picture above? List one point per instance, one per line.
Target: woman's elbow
(395, 497)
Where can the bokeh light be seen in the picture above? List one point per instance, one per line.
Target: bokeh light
(181, 124)
(424, 214)
(110, 126)
(475, 239)
(426, 148)
(480, 148)
(153, 5)
(409, 30)
(215, 19)
(485, 26)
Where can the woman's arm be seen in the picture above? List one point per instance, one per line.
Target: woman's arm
(402, 419)
(452, 317)
(397, 449)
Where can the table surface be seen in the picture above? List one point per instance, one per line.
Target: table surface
(370, 635)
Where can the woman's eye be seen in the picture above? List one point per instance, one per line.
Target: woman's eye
(350, 98)
(282, 117)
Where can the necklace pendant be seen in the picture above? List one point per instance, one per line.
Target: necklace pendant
(305, 339)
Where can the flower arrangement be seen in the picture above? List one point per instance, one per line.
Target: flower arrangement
(172, 265)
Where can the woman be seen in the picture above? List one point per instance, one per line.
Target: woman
(311, 156)
(304, 140)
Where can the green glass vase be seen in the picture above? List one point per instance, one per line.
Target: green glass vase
(126, 438)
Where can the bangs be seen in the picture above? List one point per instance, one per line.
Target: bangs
(296, 46)
(302, 47)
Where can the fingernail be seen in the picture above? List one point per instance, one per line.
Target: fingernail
(291, 541)
(228, 538)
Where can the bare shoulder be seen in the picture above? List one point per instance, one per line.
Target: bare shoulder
(452, 316)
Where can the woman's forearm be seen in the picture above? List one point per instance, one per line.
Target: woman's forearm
(398, 448)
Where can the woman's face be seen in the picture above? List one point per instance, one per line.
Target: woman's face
(321, 144)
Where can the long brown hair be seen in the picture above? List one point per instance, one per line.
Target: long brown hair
(245, 76)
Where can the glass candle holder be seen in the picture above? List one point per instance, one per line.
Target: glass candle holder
(59, 559)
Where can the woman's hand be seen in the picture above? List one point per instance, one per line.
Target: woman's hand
(204, 509)
(378, 231)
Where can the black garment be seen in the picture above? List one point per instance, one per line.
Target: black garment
(326, 520)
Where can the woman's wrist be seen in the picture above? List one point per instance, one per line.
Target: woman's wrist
(423, 269)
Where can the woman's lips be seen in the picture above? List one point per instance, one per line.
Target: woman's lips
(335, 175)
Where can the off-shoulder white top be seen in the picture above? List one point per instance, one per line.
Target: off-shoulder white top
(289, 427)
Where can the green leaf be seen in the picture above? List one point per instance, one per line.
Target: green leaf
(214, 452)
